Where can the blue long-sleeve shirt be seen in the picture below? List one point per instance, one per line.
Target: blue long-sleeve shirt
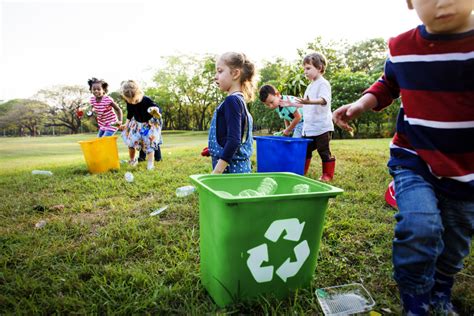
(231, 118)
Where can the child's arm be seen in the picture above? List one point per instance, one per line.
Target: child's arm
(293, 123)
(318, 101)
(118, 110)
(351, 111)
(220, 166)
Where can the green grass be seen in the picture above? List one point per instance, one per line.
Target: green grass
(100, 251)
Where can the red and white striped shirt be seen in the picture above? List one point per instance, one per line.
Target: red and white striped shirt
(105, 113)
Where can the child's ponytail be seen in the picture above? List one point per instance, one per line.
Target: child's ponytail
(248, 84)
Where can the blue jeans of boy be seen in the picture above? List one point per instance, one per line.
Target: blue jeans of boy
(433, 233)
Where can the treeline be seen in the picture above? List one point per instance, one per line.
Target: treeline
(185, 90)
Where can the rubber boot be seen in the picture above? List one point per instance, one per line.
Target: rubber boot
(441, 295)
(306, 165)
(328, 170)
(416, 304)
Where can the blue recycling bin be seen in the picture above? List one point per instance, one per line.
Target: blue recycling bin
(281, 154)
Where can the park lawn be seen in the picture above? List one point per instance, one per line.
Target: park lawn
(101, 252)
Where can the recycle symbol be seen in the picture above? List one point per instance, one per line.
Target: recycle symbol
(258, 255)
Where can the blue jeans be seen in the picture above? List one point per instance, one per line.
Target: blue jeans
(433, 232)
(102, 133)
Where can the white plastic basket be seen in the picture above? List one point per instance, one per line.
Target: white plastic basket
(344, 299)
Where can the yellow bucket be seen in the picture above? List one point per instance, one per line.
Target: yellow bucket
(101, 154)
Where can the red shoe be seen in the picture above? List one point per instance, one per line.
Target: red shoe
(328, 170)
(390, 195)
(205, 152)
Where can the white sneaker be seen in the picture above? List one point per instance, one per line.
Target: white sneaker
(133, 162)
(151, 167)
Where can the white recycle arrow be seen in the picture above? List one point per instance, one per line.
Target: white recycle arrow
(258, 255)
(289, 269)
(291, 225)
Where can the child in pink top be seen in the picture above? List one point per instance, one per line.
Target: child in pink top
(104, 107)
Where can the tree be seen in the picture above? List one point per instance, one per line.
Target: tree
(367, 56)
(188, 84)
(25, 115)
(347, 87)
(63, 101)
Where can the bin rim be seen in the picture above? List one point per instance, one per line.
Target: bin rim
(331, 192)
(284, 138)
(94, 139)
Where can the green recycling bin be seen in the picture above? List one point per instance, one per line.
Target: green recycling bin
(257, 245)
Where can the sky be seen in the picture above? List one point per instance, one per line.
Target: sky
(48, 43)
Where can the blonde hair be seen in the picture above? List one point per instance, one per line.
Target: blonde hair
(130, 91)
(317, 60)
(239, 61)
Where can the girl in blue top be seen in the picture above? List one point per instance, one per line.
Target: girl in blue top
(230, 134)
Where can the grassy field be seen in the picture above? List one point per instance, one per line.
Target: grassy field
(100, 251)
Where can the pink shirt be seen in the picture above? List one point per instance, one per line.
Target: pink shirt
(105, 113)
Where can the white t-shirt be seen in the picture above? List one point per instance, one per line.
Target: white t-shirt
(317, 117)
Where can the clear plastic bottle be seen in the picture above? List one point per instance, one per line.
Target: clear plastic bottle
(43, 172)
(301, 188)
(248, 193)
(268, 186)
(185, 191)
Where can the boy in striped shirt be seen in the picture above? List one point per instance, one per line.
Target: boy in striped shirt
(432, 153)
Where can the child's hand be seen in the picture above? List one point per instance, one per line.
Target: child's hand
(284, 103)
(155, 112)
(345, 113)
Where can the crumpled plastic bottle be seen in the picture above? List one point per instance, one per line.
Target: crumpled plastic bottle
(128, 176)
(249, 193)
(301, 188)
(268, 186)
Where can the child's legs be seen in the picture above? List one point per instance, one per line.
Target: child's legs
(418, 232)
(131, 153)
(103, 133)
(108, 133)
(321, 143)
(458, 222)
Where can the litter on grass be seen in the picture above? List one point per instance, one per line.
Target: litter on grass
(344, 299)
(158, 211)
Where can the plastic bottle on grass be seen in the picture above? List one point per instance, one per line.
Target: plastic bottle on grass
(42, 172)
(185, 191)
(128, 176)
